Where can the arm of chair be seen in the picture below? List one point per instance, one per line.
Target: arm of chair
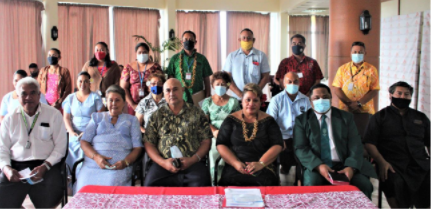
(74, 169)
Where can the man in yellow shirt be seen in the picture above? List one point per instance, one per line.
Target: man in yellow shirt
(357, 82)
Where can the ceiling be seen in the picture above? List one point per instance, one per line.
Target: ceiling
(300, 8)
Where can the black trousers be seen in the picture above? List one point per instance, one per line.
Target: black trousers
(46, 194)
(197, 175)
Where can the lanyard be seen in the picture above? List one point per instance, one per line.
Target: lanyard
(139, 73)
(103, 69)
(352, 76)
(25, 121)
(190, 64)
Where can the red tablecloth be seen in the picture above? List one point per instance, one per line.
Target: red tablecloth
(318, 197)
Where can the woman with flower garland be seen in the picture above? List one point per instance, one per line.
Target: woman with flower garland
(191, 68)
(249, 141)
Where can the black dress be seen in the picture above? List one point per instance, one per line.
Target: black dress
(231, 135)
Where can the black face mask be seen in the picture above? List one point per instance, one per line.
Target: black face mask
(401, 103)
(53, 60)
(189, 45)
(34, 74)
(297, 49)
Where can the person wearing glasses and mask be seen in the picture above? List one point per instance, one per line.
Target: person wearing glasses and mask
(55, 81)
(32, 137)
(135, 76)
(326, 141)
(192, 69)
(247, 65)
(306, 67)
(152, 102)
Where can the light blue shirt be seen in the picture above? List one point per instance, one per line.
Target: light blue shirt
(8, 104)
(246, 68)
(81, 112)
(284, 111)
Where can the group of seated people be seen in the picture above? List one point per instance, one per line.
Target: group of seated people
(111, 126)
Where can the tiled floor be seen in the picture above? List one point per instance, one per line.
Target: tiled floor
(285, 179)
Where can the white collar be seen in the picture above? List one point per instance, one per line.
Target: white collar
(328, 114)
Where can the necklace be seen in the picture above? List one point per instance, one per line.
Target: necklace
(193, 71)
(245, 130)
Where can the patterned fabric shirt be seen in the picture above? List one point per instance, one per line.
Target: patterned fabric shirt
(185, 130)
(308, 67)
(203, 70)
(364, 80)
(147, 106)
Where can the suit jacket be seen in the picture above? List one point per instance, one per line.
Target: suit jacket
(349, 147)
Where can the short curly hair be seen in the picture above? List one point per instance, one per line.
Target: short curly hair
(221, 75)
(254, 88)
(158, 75)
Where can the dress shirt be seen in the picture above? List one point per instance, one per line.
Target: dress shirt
(246, 68)
(284, 111)
(47, 143)
(147, 106)
(8, 104)
(334, 155)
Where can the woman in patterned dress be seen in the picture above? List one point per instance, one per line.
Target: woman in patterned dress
(111, 143)
(135, 74)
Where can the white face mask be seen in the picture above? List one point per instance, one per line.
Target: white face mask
(142, 58)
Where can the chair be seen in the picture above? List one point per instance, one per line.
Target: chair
(137, 169)
(215, 182)
(63, 169)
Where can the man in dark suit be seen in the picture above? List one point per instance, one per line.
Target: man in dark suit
(397, 138)
(326, 140)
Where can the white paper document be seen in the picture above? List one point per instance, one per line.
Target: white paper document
(243, 198)
(25, 173)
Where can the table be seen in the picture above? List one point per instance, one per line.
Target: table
(316, 197)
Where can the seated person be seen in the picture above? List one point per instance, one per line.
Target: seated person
(148, 105)
(32, 136)
(326, 140)
(111, 143)
(10, 101)
(217, 108)
(396, 138)
(184, 126)
(249, 141)
(284, 108)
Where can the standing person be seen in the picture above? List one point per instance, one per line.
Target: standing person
(34, 70)
(32, 136)
(306, 67)
(103, 71)
(192, 69)
(398, 139)
(284, 108)
(55, 81)
(134, 76)
(10, 101)
(247, 64)
(356, 82)
(78, 108)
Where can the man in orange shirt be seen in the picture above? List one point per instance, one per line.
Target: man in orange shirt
(356, 83)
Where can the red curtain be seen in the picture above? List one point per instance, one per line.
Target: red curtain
(258, 23)
(301, 25)
(129, 22)
(80, 28)
(20, 38)
(206, 27)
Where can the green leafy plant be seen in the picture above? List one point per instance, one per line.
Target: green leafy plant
(172, 44)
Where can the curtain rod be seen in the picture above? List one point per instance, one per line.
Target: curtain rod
(82, 5)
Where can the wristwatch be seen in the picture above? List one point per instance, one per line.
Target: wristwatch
(359, 104)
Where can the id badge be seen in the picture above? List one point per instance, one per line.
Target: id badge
(300, 75)
(141, 92)
(350, 86)
(188, 76)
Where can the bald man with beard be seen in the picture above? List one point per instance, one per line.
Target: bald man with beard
(177, 125)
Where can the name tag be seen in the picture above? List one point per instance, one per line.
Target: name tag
(141, 93)
(300, 75)
(419, 122)
(350, 86)
(188, 76)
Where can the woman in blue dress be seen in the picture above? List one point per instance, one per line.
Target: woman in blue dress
(111, 143)
(77, 110)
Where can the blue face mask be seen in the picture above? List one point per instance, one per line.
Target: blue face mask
(220, 90)
(156, 90)
(357, 58)
(322, 105)
(292, 89)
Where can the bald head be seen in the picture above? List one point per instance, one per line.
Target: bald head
(291, 78)
(173, 91)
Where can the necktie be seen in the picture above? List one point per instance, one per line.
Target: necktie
(325, 143)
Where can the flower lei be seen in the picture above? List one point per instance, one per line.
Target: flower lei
(193, 71)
